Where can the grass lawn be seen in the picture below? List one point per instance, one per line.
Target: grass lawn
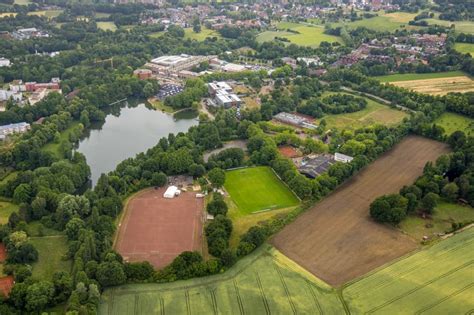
(36, 229)
(6, 208)
(374, 113)
(54, 147)
(444, 215)
(100, 15)
(419, 76)
(47, 13)
(51, 250)
(257, 189)
(452, 122)
(465, 48)
(382, 23)
(159, 105)
(22, 2)
(251, 102)
(107, 26)
(156, 34)
(265, 282)
(201, 36)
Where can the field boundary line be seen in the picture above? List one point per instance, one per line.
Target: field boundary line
(281, 180)
(470, 285)
(135, 306)
(162, 306)
(213, 300)
(262, 293)
(285, 287)
(419, 287)
(188, 303)
(343, 302)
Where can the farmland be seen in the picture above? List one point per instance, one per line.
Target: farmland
(460, 26)
(465, 48)
(437, 280)
(51, 250)
(434, 84)
(419, 76)
(157, 229)
(374, 113)
(336, 240)
(263, 282)
(257, 189)
(384, 22)
(452, 122)
(304, 35)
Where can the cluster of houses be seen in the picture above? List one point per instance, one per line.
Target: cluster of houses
(10, 129)
(28, 33)
(33, 92)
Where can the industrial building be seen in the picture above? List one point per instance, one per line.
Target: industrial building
(173, 65)
(295, 120)
(222, 95)
(6, 130)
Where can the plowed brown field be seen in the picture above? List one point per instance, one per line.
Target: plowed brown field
(336, 240)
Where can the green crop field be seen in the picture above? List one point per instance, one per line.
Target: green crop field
(452, 122)
(374, 113)
(419, 76)
(465, 48)
(383, 23)
(51, 250)
(202, 35)
(436, 280)
(307, 35)
(440, 222)
(6, 208)
(257, 189)
(107, 26)
(265, 282)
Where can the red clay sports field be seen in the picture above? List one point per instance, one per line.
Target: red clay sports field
(157, 229)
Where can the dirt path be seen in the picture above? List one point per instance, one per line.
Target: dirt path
(336, 240)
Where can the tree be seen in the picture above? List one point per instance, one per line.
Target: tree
(217, 206)
(39, 295)
(110, 273)
(216, 177)
(450, 191)
(23, 193)
(429, 202)
(73, 227)
(389, 209)
(148, 90)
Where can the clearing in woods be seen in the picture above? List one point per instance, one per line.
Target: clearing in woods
(452, 122)
(336, 239)
(435, 280)
(157, 229)
(258, 188)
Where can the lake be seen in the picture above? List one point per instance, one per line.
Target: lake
(127, 131)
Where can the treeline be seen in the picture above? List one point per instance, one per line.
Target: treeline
(332, 104)
(451, 177)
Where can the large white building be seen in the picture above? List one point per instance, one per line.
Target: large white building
(4, 62)
(172, 65)
(223, 95)
(6, 95)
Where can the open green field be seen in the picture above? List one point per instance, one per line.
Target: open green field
(383, 23)
(107, 26)
(308, 35)
(443, 216)
(419, 76)
(51, 250)
(374, 113)
(460, 26)
(452, 122)
(465, 48)
(265, 282)
(436, 280)
(156, 34)
(48, 13)
(55, 147)
(257, 189)
(6, 208)
(202, 35)
(22, 2)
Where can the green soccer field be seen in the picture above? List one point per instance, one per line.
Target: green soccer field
(257, 189)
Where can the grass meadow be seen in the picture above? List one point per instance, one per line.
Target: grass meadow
(6, 208)
(434, 280)
(257, 189)
(51, 250)
(374, 113)
(465, 48)
(55, 147)
(107, 26)
(306, 35)
(459, 26)
(202, 35)
(452, 122)
(47, 13)
(388, 22)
